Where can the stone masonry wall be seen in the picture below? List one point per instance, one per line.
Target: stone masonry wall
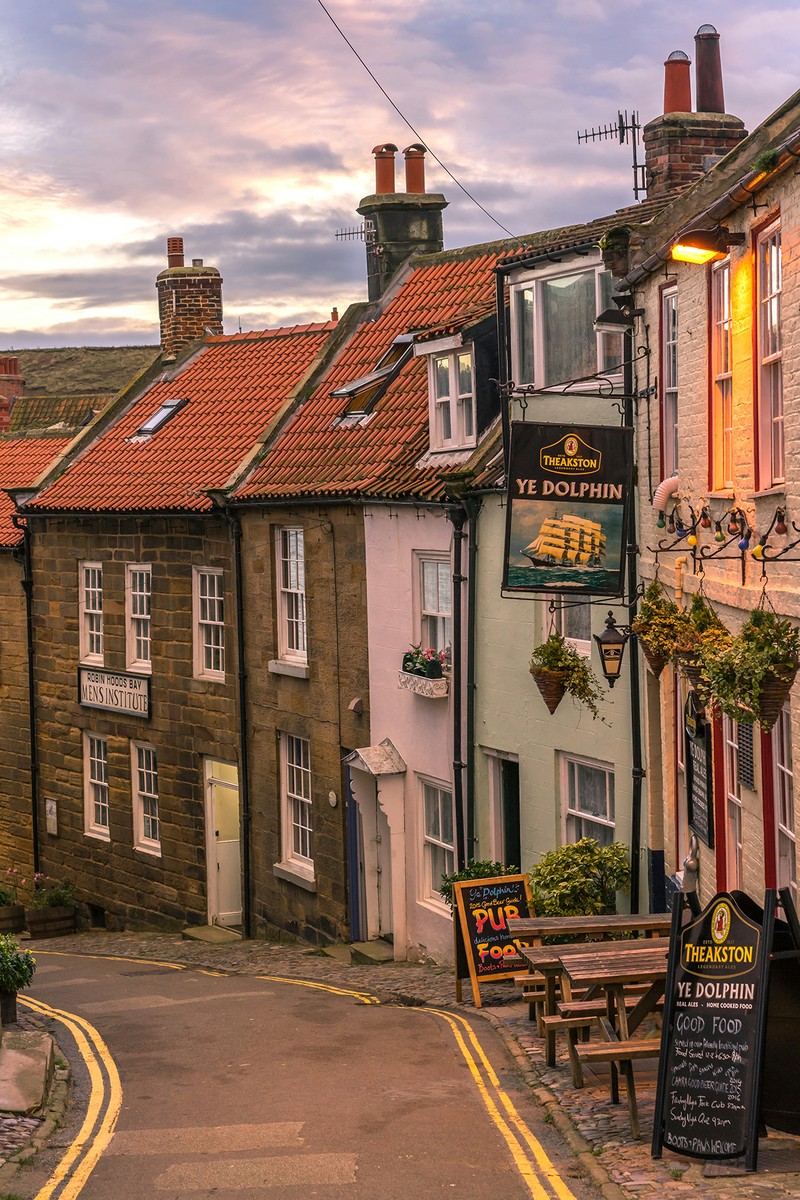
(16, 847)
(721, 577)
(191, 718)
(316, 708)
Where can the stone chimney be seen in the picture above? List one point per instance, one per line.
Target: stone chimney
(189, 301)
(12, 386)
(399, 224)
(682, 145)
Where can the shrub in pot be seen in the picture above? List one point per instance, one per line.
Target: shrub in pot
(580, 878)
(559, 669)
(16, 972)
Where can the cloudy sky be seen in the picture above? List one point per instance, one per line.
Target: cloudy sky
(247, 128)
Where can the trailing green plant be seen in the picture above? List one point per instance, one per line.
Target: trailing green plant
(16, 966)
(734, 675)
(580, 878)
(483, 869)
(52, 893)
(659, 622)
(576, 675)
(702, 636)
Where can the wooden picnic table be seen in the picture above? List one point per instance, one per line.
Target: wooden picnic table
(614, 969)
(590, 926)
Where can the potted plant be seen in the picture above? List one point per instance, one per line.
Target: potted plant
(699, 638)
(658, 625)
(12, 913)
(16, 972)
(558, 668)
(579, 878)
(52, 910)
(429, 663)
(750, 677)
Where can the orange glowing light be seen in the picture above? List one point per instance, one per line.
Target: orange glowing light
(683, 252)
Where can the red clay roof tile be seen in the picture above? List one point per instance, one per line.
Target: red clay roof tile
(22, 461)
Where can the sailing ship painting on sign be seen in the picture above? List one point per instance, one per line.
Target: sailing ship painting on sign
(566, 519)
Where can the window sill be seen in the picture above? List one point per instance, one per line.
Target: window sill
(282, 666)
(439, 907)
(722, 494)
(209, 678)
(293, 873)
(140, 669)
(97, 836)
(91, 660)
(421, 685)
(150, 851)
(771, 493)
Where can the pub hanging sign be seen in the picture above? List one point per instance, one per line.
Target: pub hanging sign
(569, 489)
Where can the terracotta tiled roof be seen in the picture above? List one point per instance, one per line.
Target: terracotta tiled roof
(22, 461)
(315, 456)
(232, 389)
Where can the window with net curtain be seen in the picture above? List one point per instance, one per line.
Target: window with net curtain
(588, 791)
(565, 307)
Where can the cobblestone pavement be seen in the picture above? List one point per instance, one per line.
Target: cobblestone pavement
(602, 1125)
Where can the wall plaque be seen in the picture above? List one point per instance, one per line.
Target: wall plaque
(114, 691)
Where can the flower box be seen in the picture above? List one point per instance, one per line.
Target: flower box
(55, 921)
(434, 689)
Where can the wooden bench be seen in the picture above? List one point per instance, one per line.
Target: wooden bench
(622, 1053)
(533, 993)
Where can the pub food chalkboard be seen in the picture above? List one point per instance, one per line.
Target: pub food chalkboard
(482, 909)
(712, 1041)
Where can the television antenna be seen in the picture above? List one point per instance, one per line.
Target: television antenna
(365, 232)
(626, 130)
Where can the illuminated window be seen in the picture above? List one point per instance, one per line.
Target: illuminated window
(669, 381)
(770, 362)
(722, 378)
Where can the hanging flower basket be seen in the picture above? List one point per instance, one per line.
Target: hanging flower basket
(750, 678)
(774, 694)
(655, 661)
(688, 665)
(551, 685)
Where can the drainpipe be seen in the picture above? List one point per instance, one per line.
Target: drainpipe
(27, 587)
(457, 515)
(235, 527)
(472, 507)
(637, 769)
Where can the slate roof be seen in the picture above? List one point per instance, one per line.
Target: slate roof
(440, 294)
(233, 388)
(22, 461)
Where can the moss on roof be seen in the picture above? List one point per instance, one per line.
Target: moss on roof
(81, 370)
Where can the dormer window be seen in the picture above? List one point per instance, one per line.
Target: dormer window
(452, 399)
(554, 341)
(361, 395)
(166, 410)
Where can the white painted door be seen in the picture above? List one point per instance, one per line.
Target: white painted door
(223, 844)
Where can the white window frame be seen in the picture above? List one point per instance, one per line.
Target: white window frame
(558, 621)
(441, 618)
(90, 617)
(669, 380)
(142, 798)
(96, 789)
(297, 804)
(203, 640)
(572, 813)
(431, 843)
(772, 468)
(721, 376)
(457, 409)
(526, 304)
(785, 836)
(136, 622)
(290, 583)
(733, 804)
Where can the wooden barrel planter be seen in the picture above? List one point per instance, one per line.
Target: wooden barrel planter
(8, 1008)
(12, 918)
(551, 685)
(51, 922)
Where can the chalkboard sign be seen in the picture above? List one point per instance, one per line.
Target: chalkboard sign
(712, 1041)
(482, 909)
(699, 776)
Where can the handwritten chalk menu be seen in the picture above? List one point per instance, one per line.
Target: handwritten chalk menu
(483, 906)
(713, 1035)
(699, 775)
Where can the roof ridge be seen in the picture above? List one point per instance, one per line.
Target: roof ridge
(260, 335)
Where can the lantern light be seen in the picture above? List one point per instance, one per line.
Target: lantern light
(705, 245)
(611, 644)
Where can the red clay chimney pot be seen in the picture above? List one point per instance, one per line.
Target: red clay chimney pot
(708, 70)
(384, 168)
(677, 83)
(415, 168)
(174, 251)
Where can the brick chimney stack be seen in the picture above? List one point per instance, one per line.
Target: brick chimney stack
(404, 223)
(682, 145)
(189, 301)
(12, 386)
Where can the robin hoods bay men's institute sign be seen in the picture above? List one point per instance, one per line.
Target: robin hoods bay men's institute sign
(114, 691)
(567, 515)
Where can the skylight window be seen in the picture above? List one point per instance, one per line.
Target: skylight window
(163, 413)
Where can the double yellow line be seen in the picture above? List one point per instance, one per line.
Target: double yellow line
(532, 1161)
(105, 1101)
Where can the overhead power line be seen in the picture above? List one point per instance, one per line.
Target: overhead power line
(406, 121)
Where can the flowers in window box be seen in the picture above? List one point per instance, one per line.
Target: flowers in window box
(427, 662)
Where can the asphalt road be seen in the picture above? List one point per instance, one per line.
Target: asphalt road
(237, 1087)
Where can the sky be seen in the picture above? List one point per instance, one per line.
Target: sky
(247, 128)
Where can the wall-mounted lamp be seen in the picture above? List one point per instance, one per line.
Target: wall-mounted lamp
(619, 319)
(705, 245)
(611, 644)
